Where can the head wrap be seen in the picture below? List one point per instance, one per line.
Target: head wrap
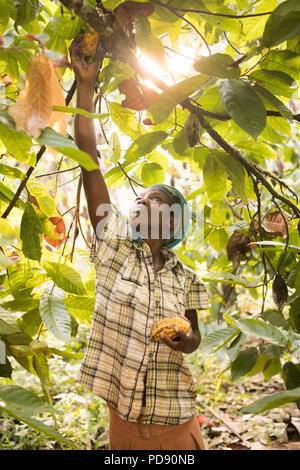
(176, 197)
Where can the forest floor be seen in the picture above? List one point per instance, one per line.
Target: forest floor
(83, 417)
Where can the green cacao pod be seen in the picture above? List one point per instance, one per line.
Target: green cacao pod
(192, 129)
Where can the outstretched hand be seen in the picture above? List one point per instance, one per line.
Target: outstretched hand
(85, 72)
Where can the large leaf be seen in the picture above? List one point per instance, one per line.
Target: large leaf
(36, 424)
(275, 102)
(67, 147)
(244, 106)
(23, 399)
(218, 65)
(217, 338)
(55, 316)
(285, 60)
(114, 148)
(243, 363)
(235, 171)
(81, 308)
(30, 233)
(45, 200)
(283, 23)
(163, 105)
(272, 401)
(277, 82)
(144, 145)
(125, 120)
(261, 329)
(17, 144)
(215, 179)
(66, 277)
(152, 173)
(26, 11)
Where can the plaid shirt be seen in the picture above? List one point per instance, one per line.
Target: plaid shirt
(135, 375)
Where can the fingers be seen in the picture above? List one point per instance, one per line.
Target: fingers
(177, 345)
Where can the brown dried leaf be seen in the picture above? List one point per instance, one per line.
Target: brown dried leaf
(237, 247)
(33, 110)
(279, 292)
(137, 98)
(275, 223)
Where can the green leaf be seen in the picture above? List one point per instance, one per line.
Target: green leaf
(275, 102)
(114, 148)
(125, 120)
(244, 106)
(282, 24)
(272, 401)
(144, 145)
(261, 329)
(152, 173)
(215, 178)
(258, 150)
(244, 362)
(277, 82)
(60, 143)
(45, 200)
(11, 172)
(217, 338)
(66, 277)
(8, 325)
(17, 144)
(284, 60)
(26, 11)
(30, 322)
(55, 316)
(235, 171)
(7, 233)
(275, 318)
(272, 368)
(36, 424)
(218, 239)
(291, 377)
(166, 101)
(23, 399)
(30, 233)
(81, 308)
(216, 276)
(217, 65)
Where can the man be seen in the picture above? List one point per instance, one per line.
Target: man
(139, 280)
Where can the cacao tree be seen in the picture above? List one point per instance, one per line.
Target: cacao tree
(199, 94)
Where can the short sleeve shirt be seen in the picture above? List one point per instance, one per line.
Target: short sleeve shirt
(122, 365)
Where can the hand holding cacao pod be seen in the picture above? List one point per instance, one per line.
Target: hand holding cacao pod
(167, 326)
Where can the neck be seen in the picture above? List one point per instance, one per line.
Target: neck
(155, 247)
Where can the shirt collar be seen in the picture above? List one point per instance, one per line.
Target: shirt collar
(172, 260)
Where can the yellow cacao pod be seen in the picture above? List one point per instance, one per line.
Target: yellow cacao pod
(89, 43)
(167, 326)
(192, 129)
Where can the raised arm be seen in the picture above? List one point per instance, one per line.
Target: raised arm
(93, 182)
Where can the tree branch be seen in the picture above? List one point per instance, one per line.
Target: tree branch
(203, 12)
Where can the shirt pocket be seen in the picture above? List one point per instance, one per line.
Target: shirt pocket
(128, 285)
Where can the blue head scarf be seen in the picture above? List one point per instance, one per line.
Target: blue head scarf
(180, 230)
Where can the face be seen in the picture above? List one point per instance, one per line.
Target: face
(150, 214)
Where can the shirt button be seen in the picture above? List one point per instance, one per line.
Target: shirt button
(157, 302)
(150, 355)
